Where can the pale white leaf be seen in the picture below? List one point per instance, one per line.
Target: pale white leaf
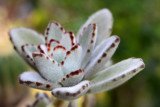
(33, 79)
(27, 51)
(53, 31)
(59, 52)
(104, 20)
(72, 61)
(48, 68)
(21, 36)
(42, 48)
(87, 41)
(68, 40)
(102, 53)
(116, 75)
(73, 78)
(51, 45)
(71, 93)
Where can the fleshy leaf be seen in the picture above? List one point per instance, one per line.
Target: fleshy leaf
(116, 75)
(33, 79)
(107, 64)
(54, 31)
(73, 78)
(52, 43)
(59, 52)
(72, 61)
(71, 93)
(102, 53)
(104, 20)
(48, 68)
(68, 40)
(27, 51)
(42, 48)
(87, 41)
(21, 36)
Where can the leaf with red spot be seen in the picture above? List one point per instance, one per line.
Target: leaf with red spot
(72, 60)
(33, 79)
(53, 31)
(104, 21)
(73, 78)
(101, 54)
(87, 41)
(71, 93)
(27, 51)
(68, 40)
(20, 36)
(116, 75)
(48, 67)
(52, 43)
(58, 53)
(42, 48)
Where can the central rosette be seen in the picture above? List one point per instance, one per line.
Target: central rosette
(59, 59)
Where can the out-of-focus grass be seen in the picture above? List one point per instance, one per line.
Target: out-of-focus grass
(136, 22)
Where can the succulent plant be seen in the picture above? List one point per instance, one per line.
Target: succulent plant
(71, 67)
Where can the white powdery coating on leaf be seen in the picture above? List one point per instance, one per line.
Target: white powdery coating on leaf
(27, 51)
(53, 31)
(33, 79)
(72, 61)
(71, 93)
(104, 20)
(20, 36)
(51, 45)
(48, 68)
(59, 53)
(68, 40)
(42, 49)
(73, 78)
(116, 75)
(87, 41)
(101, 54)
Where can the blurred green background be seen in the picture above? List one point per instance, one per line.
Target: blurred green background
(137, 22)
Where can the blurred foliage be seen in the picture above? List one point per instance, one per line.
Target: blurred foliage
(11, 67)
(137, 22)
(11, 93)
